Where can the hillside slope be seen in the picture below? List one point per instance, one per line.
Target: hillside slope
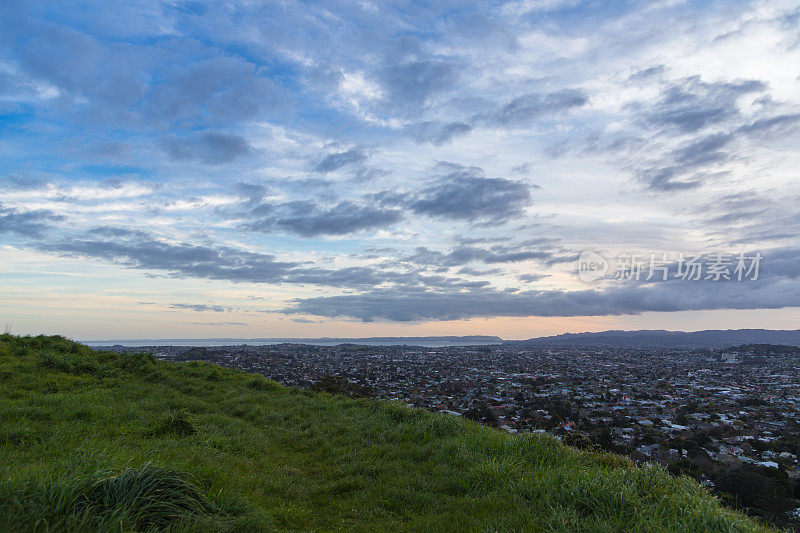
(102, 441)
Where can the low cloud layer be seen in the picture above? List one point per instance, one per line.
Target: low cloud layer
(777, 288)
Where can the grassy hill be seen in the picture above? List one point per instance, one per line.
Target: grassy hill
(101, 441)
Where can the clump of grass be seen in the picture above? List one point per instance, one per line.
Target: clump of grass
(141, 498)
(175, 423)
(54, 362)
(261, 384)
(66, 363)
(135, 362)
(148, 496)
(5, 348)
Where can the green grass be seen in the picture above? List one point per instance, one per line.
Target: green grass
(107, 442)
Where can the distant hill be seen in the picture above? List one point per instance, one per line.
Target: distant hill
(102, 441)
(764, 349)
(669, 339)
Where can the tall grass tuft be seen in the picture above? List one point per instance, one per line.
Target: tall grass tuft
(174, 423)
(148, 496)
(141, 498)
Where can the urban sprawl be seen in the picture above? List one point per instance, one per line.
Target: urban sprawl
(730, 418)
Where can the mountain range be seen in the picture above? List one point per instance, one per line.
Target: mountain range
(712, 338)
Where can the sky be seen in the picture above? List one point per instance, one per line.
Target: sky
(190, 169)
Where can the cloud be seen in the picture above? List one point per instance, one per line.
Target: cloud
(523, 109)
(520, 112)
(437, 132)
(337, 160)
(218, 323)
(688, 166)
(365, 174)
(143, 251)
(203, 307)
(308, 219)
(411, 76)
(464, 194)
(530, 278)
(462, 255)
(140, 250)
(691, 104)
(211, 91)
(778, 287)
(212, 148)
(414, 81)
(770, 126)
(475, 272)
(23, 183)
(649, 72)
(676, 168)
(519, 8)
(26, 223)
(460, 193)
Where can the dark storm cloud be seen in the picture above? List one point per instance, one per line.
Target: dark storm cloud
(30, 224)
(337, 160)
(213, 148)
